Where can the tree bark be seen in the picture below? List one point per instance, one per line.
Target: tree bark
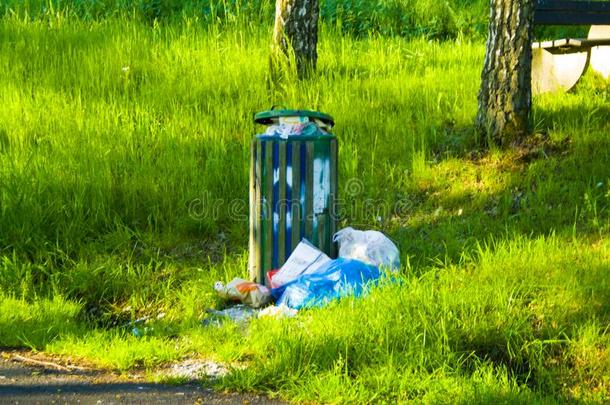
(295, 36)
(505, 97)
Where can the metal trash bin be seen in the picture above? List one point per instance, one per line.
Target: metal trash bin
(293, 187)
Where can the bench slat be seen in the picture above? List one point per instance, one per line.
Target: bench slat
(568, 12)
(551, 44)
(545, 17)
(595, 42)
(576, 43)
(563, 5)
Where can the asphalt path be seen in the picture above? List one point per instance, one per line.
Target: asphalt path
(26, 383)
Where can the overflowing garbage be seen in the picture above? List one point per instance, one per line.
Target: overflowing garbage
(293, 188)
(309, 278)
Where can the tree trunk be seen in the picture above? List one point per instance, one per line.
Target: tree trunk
(295, 37)
(505, 97)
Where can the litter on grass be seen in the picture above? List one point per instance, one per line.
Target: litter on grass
(309, 278)
(242, 314)
(194, 370)
(247, 292)
(239, 313)
(305, 259)
(277, 312)
(370, 247)
(336, 279)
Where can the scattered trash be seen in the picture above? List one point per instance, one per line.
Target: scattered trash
(305, 259)
(136, 321)
(196, 369)
(309, 278)
(277, 312)
(247, 292)
(293, 127)
(142, 320)
(337, 278)
(139, 332)
(270, 275)
(239, 313)
(242, 314)
(370, 247)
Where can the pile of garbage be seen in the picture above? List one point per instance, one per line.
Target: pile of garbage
(309, 278)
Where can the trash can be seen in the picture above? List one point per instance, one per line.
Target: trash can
(293, 187)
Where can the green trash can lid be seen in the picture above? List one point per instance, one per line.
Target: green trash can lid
(272, 116)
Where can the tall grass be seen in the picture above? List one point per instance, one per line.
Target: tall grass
(124, 150)
(134, 143)
(433, 19)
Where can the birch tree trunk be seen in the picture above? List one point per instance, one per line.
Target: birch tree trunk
(295, 36)
(505, 97)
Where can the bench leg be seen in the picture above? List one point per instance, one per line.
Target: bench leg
(556, 72)
(600, 55)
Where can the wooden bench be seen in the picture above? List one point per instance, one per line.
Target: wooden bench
(558, 64)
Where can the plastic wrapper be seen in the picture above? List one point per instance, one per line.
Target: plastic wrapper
(335, 279)
(247, 292)
(239, 314)
(277, 312)
(371, 247)
(294, 128)
(304, 259)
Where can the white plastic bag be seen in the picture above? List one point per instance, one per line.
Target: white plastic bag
(370, 247)
(277, 312)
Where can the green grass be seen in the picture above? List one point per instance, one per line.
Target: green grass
(407, 18)
(123, 188)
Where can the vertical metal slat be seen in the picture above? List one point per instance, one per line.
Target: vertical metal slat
(268, 207)
(296, 194)
(308, 210)
(258, 264)
(281, 233)
(321, 231)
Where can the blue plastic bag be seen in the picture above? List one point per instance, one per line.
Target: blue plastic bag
(335, 279)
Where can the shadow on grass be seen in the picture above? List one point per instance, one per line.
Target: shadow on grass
(558, 188)
(571, 117)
